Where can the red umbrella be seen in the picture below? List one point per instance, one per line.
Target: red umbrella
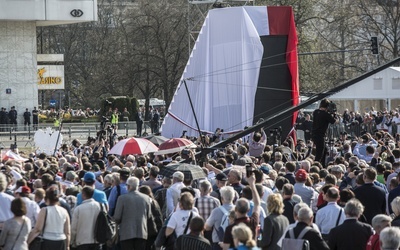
(134, 146)
(174, 145)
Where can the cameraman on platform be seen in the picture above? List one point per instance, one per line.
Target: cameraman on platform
(321, 120)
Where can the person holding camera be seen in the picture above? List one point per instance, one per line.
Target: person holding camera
(321, 119)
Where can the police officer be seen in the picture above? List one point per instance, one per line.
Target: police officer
(35, 117)
(27, 118)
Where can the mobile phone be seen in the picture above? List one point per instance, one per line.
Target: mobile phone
(249, 170)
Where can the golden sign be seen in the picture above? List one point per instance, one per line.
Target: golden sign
(48, 79)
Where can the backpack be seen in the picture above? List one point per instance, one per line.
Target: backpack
(298, 243)
(105, 227)
(224, 223)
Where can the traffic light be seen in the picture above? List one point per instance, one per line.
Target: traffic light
(374, 45)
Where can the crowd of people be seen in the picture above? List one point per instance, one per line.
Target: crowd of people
(253, 195)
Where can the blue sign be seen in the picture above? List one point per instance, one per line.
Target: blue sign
(53, 102)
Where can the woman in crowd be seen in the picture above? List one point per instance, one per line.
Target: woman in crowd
(243, 237)
(15, 231)
(275, 224)
(53, 223)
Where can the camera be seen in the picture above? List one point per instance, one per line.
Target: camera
(332, 108)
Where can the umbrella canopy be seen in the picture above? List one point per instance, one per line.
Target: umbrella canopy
(157, 139)
(174, 145)
(191, 172)
(134, 146)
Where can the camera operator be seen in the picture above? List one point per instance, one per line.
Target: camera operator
(321, 120)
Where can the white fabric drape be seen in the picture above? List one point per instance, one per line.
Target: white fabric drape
(222, 73)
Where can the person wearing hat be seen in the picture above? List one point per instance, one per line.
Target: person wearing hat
(118, 190)
(174, 191)
(220, 181)
(306, 193)
(88, 180)
(32, 208)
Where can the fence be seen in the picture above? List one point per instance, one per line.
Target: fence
(23, 136)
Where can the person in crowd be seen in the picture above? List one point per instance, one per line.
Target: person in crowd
(157, 216)
(242, 207)
(234, 179)
(33, 208)
(321, 120)
(257, 142)
(84, 221)
(153, 182)
(290, 168)
(193, 240)
(306, 193)
(389, 238)
(288, 202)
(331, 215)
(379, 222)
(139, 122)
(304, 220)
(214, 221)
(206, 203)
(243, 237)
(16, 230)
(133, 208)
(181, 218)
(275, 223)
(5, 201)
(53, 223)
(89, 179)
(174, 191)
(161, 195)
(395, 205)
(352, 234)
(118, 190)
(372, 197)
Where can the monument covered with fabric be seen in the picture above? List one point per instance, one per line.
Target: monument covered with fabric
(243, 67)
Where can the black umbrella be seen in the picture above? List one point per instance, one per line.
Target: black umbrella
(157, 139)
(191, 172)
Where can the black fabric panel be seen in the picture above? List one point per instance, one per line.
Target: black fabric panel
(274, 85)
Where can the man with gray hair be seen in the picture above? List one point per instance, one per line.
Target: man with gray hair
(174, 191)
(305, 222)
(379, 222)
(352, 234)
(215, 219)
(390, 238)
(133, 208)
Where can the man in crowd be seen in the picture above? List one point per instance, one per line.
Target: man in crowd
(305, 219)
(352, 234)
(331, 215)
(133, 208)
(84, 220)
(174, 192)
(321, 120)
(372, 197)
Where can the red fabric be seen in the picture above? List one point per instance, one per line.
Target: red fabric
(373, 243)
(281, 22)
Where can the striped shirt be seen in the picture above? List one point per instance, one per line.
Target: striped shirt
(192, 242)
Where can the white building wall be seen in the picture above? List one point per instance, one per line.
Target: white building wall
(18, 65)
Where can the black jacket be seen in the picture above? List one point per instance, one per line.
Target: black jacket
(313, 237)
(351, 235)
